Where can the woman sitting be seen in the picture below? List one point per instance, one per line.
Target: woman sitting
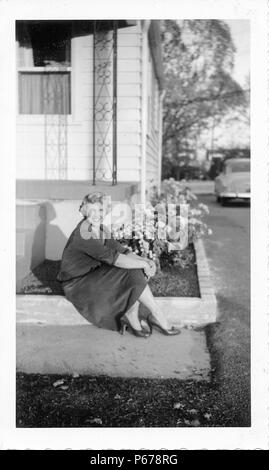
(104, 280)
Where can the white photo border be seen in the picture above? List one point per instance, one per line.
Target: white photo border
(256, 436)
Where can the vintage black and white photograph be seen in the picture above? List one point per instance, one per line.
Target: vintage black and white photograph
(133, 206)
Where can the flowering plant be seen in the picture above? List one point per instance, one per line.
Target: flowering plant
(155, 235)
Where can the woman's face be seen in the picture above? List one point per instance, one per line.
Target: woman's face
(95, 213)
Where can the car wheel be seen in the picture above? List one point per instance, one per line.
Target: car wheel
(218, 199)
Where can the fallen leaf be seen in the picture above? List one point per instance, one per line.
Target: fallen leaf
(195, 422)
(58, 383)
(64, 387)
(178, 406)
(193, 411)
(96, 421)
(187, 422)
(117, 397)
(208, 415)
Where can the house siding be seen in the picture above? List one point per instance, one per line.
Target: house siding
(152, 147)
(31, 129)
(129, 103)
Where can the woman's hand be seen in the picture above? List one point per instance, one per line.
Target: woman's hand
(150, 268)
(147, 270)
(132, 261)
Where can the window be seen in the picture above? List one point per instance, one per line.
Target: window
(238, 167)
(44, 67)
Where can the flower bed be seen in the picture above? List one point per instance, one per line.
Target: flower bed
(181, 285)
(176, 267)
(166, 227)
(173, 280)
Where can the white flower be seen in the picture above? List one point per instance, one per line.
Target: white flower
(204, 207)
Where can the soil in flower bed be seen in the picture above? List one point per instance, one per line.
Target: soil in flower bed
(42, 280)
(87, 401)
(171, 281)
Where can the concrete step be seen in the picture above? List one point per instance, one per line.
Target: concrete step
(57, 310)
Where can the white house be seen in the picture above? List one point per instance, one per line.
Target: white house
(89, 118)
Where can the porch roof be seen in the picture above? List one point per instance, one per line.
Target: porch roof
(81, 27)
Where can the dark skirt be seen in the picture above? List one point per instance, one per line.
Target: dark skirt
(103, 295)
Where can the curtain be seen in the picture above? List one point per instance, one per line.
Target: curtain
(44, 93)
(24, 46)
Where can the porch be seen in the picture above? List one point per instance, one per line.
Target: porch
(46, 214)
(72, 189)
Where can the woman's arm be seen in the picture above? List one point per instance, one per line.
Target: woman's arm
(150, 262)
(129, 262)
(132, 255)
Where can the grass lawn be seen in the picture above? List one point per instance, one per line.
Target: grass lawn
(88, 401)
(229, 345)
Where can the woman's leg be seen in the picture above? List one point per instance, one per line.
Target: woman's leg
(147, 299)
(132, 315)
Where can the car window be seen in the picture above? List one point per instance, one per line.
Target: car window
(236, 167)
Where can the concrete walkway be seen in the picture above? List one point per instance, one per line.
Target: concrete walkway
(85, 349)
(53, 338)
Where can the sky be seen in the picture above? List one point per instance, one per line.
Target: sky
(240, 30)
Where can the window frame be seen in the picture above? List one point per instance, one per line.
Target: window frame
(39, 118)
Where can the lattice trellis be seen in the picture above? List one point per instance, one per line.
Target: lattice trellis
(55, 128)
(105, 104)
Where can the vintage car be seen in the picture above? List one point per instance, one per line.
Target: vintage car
(234, 180)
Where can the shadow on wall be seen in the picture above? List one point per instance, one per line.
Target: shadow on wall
(55, 237)
(47, 233)
(30, 237)
(39, 239)
(39, 275)
(45, 273)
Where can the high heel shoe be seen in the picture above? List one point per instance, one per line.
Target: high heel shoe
(153, 322)
(125, 324)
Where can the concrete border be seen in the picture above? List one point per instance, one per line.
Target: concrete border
(181, 311)
(195, 311)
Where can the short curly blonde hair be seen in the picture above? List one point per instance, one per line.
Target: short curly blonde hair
(90, 198)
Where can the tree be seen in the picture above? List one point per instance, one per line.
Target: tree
(198, 61)
(243, 110)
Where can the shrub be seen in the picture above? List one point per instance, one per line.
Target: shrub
(144, 239)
